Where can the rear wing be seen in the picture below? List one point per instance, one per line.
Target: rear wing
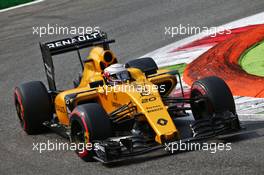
(67, 45)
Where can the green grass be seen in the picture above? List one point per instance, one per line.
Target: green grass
(252, 61)
(9, 3)
(179, 67)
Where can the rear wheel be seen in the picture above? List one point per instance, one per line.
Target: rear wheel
(217, 97)
(146, 65)
(33, 106)
(89, 122)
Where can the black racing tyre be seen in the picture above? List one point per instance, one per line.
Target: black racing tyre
(33, 106)
(217, 94)
(89, 122)
(146, 65)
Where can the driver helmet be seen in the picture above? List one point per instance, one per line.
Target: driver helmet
(116, 73)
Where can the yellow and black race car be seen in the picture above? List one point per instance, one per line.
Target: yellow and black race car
(122, 110)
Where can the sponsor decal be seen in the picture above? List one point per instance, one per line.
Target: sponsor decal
(78, 39)
(115, 104)
(60, 109)
(154, 108)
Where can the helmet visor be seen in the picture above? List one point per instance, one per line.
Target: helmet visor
(123, 76)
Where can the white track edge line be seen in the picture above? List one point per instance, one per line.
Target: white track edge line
(21, 5)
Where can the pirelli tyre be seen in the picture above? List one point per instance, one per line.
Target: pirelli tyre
(146, 65)
(218, 97)
(89, 122)
(33, 106)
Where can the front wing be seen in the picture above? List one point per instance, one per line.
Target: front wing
(218, 126)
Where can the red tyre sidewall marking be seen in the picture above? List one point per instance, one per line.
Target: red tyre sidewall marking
(203, 91)
(19, 99)
(79, 114)
(198, 88)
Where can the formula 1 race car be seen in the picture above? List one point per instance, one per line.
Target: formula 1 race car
(122, 110)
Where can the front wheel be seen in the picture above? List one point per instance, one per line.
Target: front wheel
(89, 122)
(211, 95)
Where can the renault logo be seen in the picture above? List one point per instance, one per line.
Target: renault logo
(162, 121)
